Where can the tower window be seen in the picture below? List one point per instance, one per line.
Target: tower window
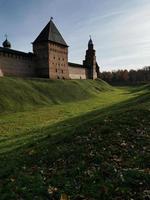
(56, 70)
(62, 71)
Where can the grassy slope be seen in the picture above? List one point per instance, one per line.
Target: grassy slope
(18, 94)
(96, 147)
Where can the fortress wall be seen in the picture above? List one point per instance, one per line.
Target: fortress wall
(41, 59)
(58, 61)
(77, 72)
(16, 65)
(1, 73)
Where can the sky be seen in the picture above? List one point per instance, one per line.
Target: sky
(120, 29)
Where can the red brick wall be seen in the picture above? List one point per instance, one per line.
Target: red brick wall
(41, 59)
(16, 65)
(90, 64)
(51, 60)
(58, 61)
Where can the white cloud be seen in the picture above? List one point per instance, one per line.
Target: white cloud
(129, 44)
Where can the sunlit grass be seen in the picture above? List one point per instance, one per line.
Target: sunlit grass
(93, 144)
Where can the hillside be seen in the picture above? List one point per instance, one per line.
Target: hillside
(23, 94)
(90, 146)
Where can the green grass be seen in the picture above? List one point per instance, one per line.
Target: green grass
(82, 137)
(18, 94)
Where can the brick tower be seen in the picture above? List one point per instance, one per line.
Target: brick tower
(90, 61)
(51, 53)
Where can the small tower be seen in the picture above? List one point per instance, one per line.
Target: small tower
(51, 53)
(90, 61)
(6, 43)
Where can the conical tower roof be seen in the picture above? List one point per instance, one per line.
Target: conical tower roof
(50, 33)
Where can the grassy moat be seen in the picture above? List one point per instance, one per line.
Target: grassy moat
(83, 138)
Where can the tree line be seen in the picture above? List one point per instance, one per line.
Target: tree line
(127, 77)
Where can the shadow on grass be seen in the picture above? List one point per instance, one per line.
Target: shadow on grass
(68, 155)
(70, 125)
(135, 89)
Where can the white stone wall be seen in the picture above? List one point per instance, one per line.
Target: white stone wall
(77, 72)
(1, 73)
